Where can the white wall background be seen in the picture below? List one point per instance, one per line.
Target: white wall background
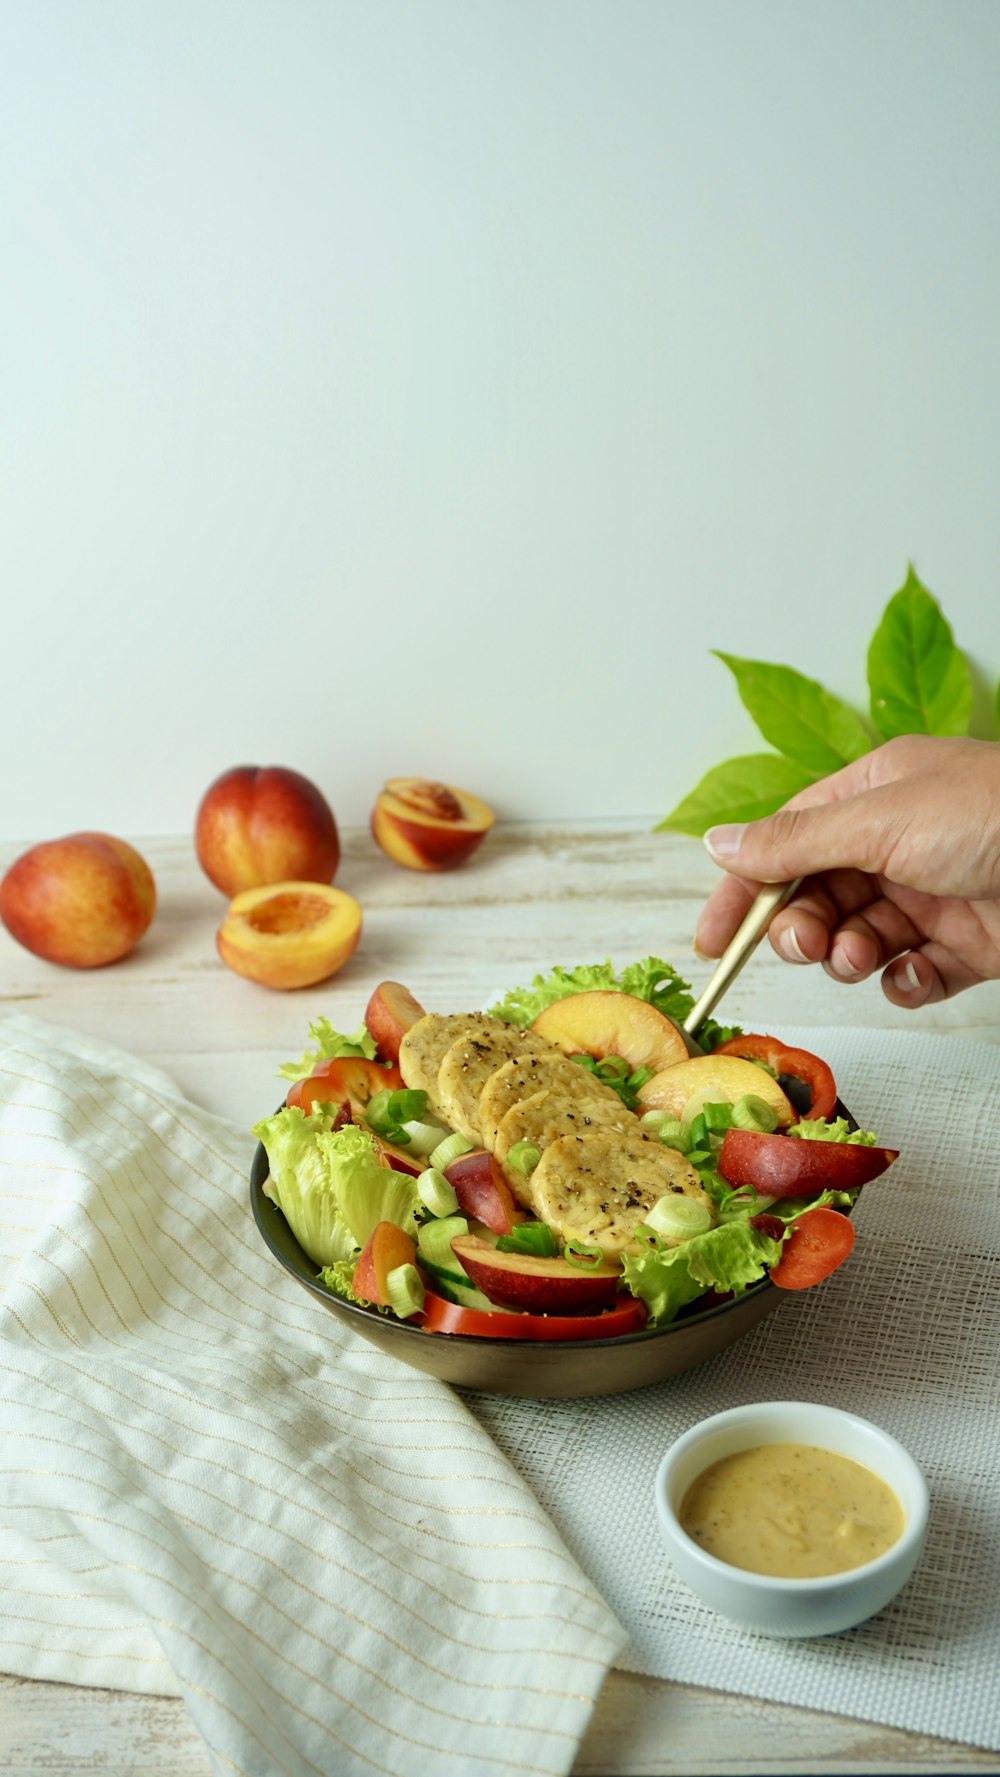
(425, 385)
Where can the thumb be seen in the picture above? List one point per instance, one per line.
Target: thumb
(804, 841)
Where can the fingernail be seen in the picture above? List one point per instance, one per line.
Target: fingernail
(702, 955)
(907, 979)
(790, 948)
(724, 842)
(842, 965)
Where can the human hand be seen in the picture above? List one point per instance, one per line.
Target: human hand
(900, 852)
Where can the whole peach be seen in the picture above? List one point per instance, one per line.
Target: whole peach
(262, 824)
(82, 901)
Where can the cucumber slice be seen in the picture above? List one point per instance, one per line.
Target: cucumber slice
(458, 1289)
(434, 1242)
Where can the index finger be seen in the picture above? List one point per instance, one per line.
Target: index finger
(723, 913)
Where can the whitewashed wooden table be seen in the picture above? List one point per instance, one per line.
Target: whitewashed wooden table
(531, 898)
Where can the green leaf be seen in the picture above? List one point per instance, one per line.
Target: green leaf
(997, 705)
(798, 715)
(742, 789)
(918, 677)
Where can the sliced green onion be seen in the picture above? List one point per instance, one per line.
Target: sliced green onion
(742, 1200)
(639, 1078)
(700, 1157)
(675, 1217)
(670, 1132)
(405, 1105)
(647, 1237)
(524, 1157)
(584, 1060)
(435, 1193)
(377, 1114)
(404, 1290)
(424, 1137)
(698, 1132)
(584, 1257)
(717, 1117)
(754, 1113)
(714, 1183)
(449, 1150)
(612, 1067)
(533, 1238)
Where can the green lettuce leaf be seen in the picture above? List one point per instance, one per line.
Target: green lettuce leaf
(798, 715)
(818, 1129)
(330, 1185)
(330, 1046)
(339, 1279)
(729, 1258)
(918, 677)
(743, 789)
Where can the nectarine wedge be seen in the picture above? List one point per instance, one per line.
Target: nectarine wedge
(387, 1248)
(608, 1023)
(483, 1192)
(713, 1079)
(428, 826)
(784, 1166)
(389, 1014)
(542, 1286)
(290, 934)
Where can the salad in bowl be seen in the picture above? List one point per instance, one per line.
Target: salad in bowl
(559, 1170)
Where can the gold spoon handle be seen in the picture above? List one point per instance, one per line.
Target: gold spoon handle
(740, 947)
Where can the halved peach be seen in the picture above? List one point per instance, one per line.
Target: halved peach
(605, 1022)
(290, 934)
(426, 825)
(389, 1014)
(682, 1090)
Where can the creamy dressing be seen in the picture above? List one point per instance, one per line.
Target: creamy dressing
(792, 1511)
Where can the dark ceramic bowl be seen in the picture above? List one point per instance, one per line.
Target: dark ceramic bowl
(536, 1370)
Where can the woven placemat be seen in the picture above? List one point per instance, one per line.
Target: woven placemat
(906, 1333)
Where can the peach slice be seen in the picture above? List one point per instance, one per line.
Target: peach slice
(389, 1014)
(344, 1077)
(290, 934)
(605, 1022)
(482, 1191)
(428, 826)
(543, 1286)
(681, 1091)
(387, 1248)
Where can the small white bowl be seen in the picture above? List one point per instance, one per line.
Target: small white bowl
(792, 1607)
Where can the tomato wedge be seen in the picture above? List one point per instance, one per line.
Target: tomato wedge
(350, 1077)
(820, 1241)
(441, 1316)
(795, 1064)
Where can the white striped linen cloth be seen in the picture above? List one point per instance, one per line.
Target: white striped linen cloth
(210, 1488)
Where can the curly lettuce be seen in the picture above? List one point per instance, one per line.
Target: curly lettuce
(330, 1045)
(727, 1259)
(839, 1130)
(331, 1185)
